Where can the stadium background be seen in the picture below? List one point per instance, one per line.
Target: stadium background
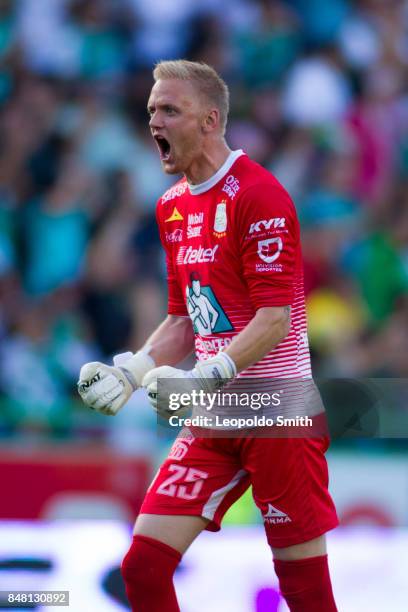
(318, 96)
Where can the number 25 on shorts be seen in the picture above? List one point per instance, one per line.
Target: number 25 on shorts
(183, 491)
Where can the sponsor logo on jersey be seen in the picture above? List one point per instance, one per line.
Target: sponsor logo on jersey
(206, 313)
(220, 219)
(188, 255)
(274, 516)
(180, 447)
(175, 216)
(231, 186)
(270, 249)
(264, 267)
(175, 236)
(195, 221)
(265, 224)
(194, 231)
(213, 346)
(195, 218)
(174, 192)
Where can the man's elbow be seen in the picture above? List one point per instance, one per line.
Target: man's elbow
(286, 329)
(284, 323)
(278, 321)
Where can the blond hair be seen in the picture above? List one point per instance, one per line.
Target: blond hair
(207, 81)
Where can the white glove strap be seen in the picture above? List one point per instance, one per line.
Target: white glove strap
(137, 366)
(220, 368)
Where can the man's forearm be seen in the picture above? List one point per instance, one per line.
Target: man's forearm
(172, 341)
(265, 331)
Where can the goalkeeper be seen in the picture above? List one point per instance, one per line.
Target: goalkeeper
(231, 237)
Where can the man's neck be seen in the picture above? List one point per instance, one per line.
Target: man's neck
(208, 164)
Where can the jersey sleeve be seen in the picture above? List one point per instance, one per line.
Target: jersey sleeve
(269, 243)
(175, 299)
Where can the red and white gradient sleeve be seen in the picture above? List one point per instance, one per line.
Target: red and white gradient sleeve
(268, 230)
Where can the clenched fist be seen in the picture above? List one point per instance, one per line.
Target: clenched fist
(207, 375)
(107, 388)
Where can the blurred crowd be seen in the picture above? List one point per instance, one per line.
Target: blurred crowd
(318, 96)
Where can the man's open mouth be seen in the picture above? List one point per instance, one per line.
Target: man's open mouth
(164, 147)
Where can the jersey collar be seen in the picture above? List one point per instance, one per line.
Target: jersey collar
(213, 180)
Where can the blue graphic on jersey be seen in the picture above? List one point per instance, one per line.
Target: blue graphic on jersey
(205, 311)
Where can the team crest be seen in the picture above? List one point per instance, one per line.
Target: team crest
(220, 220)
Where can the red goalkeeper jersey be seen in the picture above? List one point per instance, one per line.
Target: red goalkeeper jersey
(233, 246)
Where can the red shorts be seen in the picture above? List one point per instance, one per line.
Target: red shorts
(289, 478)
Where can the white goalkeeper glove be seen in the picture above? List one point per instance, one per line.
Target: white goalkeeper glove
(107, 388)
(208, 375)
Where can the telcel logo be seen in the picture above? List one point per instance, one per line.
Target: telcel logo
(264, 224)
(188, 255)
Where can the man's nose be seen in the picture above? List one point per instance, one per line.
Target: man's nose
(156, 121)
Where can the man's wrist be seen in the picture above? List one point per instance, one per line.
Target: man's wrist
(216, 371)
(229, 364)
(137, 366)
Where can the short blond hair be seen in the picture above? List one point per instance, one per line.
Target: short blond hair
(207, 81)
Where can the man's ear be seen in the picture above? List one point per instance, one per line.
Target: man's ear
(211, 121)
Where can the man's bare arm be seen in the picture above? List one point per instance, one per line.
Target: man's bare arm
(107, 388)
(265, 331)
(172, 341)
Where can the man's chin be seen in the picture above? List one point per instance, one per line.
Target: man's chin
(170, 167)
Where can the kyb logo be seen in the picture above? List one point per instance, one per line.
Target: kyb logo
(188, 255)
(263, 224)
(273, 516)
